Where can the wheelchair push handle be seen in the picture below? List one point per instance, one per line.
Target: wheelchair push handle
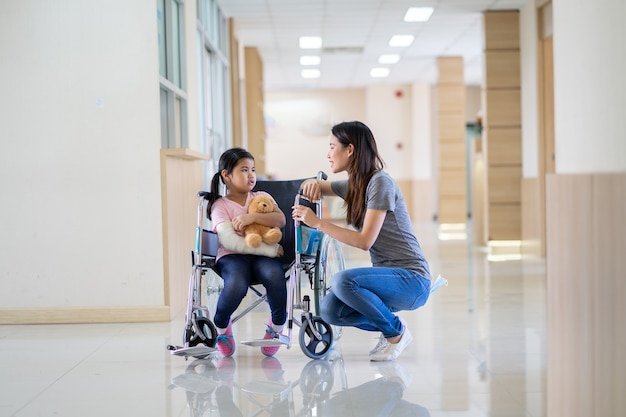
(321, 175)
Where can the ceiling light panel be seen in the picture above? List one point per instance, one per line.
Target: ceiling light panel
(379, 72)
(418, 14)
(310, 60)
(310, 73)
(310, 42)
(388, 59)
(401, 40)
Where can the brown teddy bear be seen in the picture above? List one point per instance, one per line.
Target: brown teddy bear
(256, 233)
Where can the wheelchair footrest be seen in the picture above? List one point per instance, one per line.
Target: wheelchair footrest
(199, 352)
(281, 340)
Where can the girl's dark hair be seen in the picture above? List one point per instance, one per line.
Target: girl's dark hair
(364, 163)
(228, 161)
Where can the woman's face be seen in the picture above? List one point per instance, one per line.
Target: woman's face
(243, 177)
(339, 155)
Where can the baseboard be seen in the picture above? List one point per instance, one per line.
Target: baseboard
(73, 315)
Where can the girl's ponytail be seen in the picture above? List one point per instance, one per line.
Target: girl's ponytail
(214, 193)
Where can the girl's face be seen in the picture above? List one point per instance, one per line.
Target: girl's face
(339, 155)
(243, 177)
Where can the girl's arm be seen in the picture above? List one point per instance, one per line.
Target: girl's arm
(372, 223)
(233, 242)
(274, 219)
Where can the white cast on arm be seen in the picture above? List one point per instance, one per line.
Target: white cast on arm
(233, 242)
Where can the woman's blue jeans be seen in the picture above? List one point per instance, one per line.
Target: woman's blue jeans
(368, 297)
(238, 273)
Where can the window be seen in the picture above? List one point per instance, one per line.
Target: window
(171, 64)
(214, 80)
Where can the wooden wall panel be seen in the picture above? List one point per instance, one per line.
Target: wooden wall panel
(451, 126)
(586, 234)
(503, 107)
(502, 30)
(502, 69)
(608, 244)
(505, 146)
(452, 155)
(452, 97)
(503, 223)
(181, 178)
(451, 185)
(255, 113)
(449, 69)
(235, 90)
(502, 126)
(423, 196)
(452, 195)
(504, 183)
(452, 210)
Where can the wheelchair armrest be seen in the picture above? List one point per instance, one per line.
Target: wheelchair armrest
(210, 243)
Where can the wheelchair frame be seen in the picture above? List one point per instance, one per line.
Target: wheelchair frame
(315, 254)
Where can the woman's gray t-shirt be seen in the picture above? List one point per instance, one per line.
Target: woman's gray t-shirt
(396, 245)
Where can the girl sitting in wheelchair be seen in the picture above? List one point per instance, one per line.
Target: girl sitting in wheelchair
(238, 264)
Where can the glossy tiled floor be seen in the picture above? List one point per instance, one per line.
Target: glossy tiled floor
(478, 350)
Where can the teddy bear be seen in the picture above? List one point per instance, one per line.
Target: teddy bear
(256, 233)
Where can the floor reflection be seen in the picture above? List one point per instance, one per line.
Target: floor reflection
(212, 389)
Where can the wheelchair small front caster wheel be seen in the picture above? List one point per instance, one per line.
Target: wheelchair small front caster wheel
(204, 332)
(316, 337)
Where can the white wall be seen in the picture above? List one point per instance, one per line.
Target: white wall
(298, 129)
(422, 116)
(79, 166)
(528, 59)
(389, 116)
(590, 86)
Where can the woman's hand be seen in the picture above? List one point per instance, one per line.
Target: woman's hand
(311, 190)
(305, 215)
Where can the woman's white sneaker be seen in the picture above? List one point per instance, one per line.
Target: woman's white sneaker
(393, 350)
(382, 344)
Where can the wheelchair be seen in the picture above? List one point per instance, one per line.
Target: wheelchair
(307, 253)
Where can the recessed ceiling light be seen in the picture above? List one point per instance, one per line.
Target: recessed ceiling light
(401, 40)
(379, 72)
(388, 59)
(310, 60)
(310, 42)
(310, 73)
(418, 14)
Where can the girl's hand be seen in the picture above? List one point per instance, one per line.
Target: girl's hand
(311, 190)
(241, 221)
(305, 215)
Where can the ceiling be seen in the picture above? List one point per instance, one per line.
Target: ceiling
(355, 33)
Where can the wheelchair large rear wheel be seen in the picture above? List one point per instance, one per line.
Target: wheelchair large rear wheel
(312, 346)
(329, 261)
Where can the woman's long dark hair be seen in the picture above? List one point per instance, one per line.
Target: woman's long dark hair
(365, 161)
(228, 161)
